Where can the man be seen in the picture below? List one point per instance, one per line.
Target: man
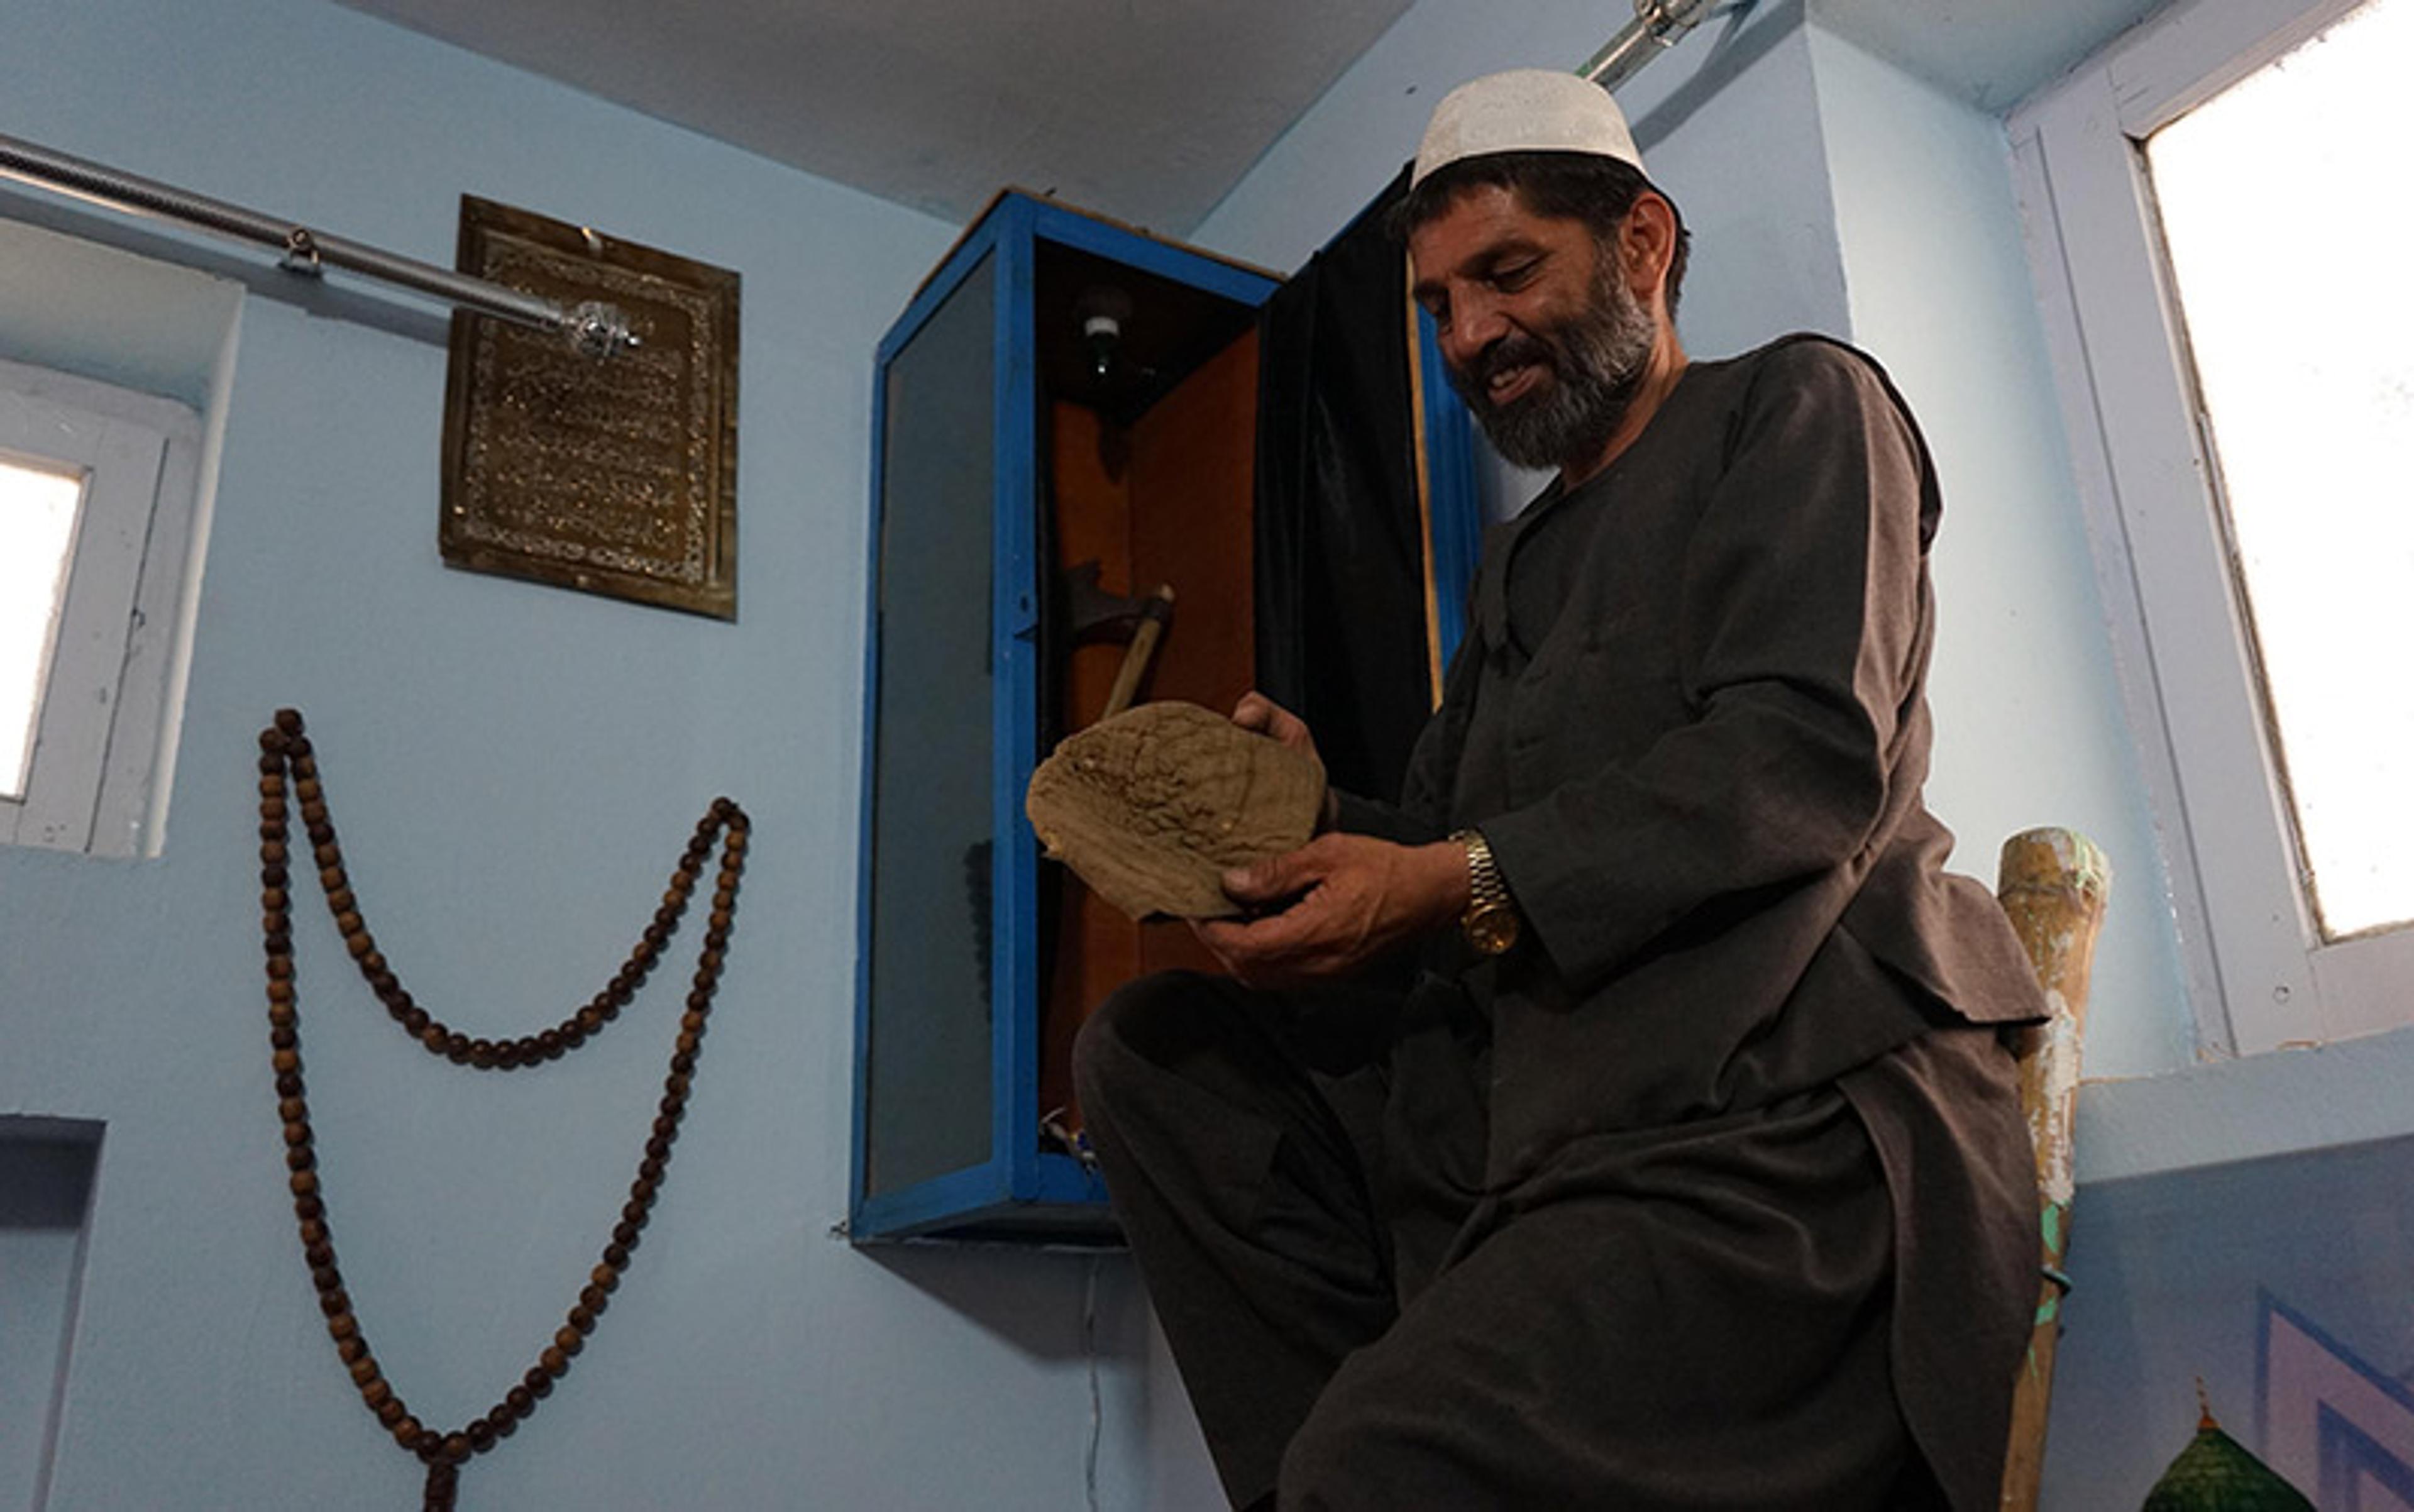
(1619, 1121)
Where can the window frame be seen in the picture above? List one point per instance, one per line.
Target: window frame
(2259, 974)
(96, 781)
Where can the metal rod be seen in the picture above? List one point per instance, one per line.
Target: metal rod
(593, 327)
(1655, 28)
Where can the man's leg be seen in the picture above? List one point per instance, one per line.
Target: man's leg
(1688, 1320)
(1243, 1196)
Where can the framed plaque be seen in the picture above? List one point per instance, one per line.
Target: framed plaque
(616, 474)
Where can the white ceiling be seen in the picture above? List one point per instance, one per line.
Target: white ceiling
(1145, 110)
(1990, 53)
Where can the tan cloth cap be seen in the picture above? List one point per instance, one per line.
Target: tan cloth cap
(1153, 806)
(1525, 109)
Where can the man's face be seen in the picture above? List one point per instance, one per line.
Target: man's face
(1540, 333)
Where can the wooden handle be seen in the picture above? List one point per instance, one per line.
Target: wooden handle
(1143, 646)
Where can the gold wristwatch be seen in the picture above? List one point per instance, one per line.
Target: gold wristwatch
(1490, 922)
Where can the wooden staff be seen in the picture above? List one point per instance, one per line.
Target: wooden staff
(2052, 883)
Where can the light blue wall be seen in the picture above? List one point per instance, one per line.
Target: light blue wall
(2032, 725)
(512, 769)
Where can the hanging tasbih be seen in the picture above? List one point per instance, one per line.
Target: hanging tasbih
(286, 750)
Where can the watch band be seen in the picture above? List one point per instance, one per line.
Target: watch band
(1490, 922)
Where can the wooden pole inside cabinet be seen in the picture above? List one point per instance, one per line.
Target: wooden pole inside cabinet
(1153, 615)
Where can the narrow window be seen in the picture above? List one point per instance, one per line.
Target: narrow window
(2287, 232)
(39, 507)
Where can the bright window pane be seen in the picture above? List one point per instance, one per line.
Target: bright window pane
(2290, 236)
(37, 521)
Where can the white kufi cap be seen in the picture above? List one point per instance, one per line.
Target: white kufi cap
(1525, 109)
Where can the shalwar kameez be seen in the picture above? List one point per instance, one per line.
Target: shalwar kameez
(1712, 1194)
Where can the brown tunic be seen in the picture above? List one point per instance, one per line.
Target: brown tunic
(1689, 718)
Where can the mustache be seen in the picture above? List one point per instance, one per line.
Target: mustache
(1517, 349)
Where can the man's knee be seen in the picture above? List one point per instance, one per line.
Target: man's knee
(1154, 1019)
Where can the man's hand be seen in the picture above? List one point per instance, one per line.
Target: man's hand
(1351, 901)
(1260, 715)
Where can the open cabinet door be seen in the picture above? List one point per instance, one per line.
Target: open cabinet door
(1035, 470)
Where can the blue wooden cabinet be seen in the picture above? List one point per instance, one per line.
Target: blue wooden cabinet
(1016, 434)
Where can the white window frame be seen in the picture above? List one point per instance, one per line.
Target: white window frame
(95, 778)
(2259, 975)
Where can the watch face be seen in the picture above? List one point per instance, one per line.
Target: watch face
(1491, 930)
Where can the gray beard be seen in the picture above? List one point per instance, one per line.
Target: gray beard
(1595, 361)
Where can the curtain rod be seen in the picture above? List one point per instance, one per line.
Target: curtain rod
(1655, 28)
(591, 327)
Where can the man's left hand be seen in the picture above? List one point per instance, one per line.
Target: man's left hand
(1350, 900)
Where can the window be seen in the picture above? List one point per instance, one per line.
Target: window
(38, 510)
(2215, 235)
(95, 500)
(2308, 400)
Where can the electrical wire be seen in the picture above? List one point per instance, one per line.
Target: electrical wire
(1090, 1349)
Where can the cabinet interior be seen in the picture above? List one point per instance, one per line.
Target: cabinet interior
(1147, 470)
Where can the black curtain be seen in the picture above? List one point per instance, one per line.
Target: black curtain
(1340, 549)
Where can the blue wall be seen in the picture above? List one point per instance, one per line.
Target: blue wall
(513, 769)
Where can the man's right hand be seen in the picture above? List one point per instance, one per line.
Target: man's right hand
(1345, 901)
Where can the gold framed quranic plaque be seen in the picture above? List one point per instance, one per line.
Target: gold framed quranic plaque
(614, 474)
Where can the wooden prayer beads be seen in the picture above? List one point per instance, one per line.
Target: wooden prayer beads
(289, 769)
